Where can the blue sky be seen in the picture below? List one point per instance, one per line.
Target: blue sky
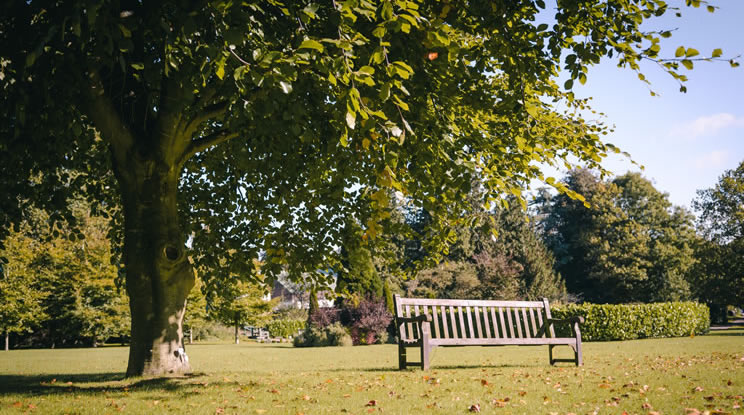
(684, 141)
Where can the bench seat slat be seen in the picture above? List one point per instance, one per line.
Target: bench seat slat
(517, 320)
(502, 342)
(494, 323)
(511, 323)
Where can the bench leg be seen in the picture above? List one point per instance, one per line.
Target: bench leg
(425, 346)
(401, 357)
(577, 351)
(550, 354)
(425, 354)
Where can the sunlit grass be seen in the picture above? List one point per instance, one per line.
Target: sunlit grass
(642, 376)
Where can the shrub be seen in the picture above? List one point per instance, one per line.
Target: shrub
(605, 322)
(331, 335)
(367, 321)
(285, 328)
(324, 317)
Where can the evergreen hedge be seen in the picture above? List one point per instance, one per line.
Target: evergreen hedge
(285, 328)
(604, 322)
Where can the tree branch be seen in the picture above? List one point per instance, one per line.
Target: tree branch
(107, 120)
(206, 142)
(209, 112)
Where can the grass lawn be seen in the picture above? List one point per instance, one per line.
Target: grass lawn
(643, 376)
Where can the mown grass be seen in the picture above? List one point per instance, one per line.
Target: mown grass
(666, 376)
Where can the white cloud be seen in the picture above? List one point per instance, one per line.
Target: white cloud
(707, 125)
(713, 160)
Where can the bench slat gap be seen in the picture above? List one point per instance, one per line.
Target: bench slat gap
(463, 334)
(477, 312)
(454, 322)
(486, 324)
(526, 323)
(494, 323)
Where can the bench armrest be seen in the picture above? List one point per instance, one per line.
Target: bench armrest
(415, 319)
(574, 319)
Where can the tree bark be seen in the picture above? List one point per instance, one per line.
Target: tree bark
(237, 333)
(159, 275)
(7, 340)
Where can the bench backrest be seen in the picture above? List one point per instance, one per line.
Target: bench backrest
(475, 319)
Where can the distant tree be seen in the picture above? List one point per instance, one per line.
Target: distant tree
(20, 296)
(196, 315)
(358, 275)
(631, 244)
(718, 280)
(242, 303)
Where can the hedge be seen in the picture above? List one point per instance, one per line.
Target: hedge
(605, 322)
(285, 328)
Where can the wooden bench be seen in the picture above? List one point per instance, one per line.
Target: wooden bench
(428, 323)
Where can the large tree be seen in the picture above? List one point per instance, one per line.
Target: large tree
(257, 127)
(629, 245)
(718, 279)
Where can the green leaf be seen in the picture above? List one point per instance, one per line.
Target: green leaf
(711, 9)
(716, 53)
(221, 70)
(687, 63)
(367, 70)
(124, 31)
(311, 44)
(568, 84)
(691, 52)
(679, 52)
(138, 66)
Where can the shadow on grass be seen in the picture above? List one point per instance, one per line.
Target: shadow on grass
(75, 384)
(714, 333)
(432, 368)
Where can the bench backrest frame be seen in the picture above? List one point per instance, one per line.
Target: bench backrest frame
(475, 319)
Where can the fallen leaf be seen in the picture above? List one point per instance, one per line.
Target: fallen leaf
(155, 402)
(697, 389)
(371, 403)
(219, 411)
(260, 411)
(646, 405)
(709, 398)
(692, 411)
(17, 404)
(474, 408)
(275, 391)
(729, 383)
(484, 382)
(347, 396)
(604, 385)
(522, 393)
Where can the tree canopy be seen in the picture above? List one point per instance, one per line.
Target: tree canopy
(254, 128)
(630, 245)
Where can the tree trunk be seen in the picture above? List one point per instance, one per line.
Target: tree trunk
(159, 275)
(7, 340)
(191, 335)
(237, 333)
